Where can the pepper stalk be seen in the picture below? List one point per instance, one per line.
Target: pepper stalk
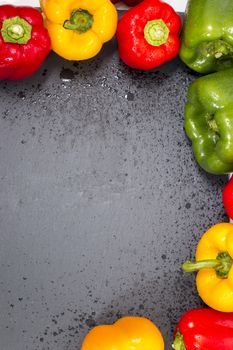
(178, 343)
(222, 265)
(156, 32)
(16, 30)
(80, 21)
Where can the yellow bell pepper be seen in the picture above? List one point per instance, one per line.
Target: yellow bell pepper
(214, 258)
(78, 28)
(128, 333)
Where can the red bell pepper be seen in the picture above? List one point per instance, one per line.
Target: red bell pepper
(24, 41)
(128, 2)
(148, 35)
(204, 329)
(227, 197)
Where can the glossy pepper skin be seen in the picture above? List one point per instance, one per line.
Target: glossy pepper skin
(148, 35)
(24, 42)
(204, 329)
(209, 121)
(127, 333)
(214, 257)
(78, 28)
(207, 40)
(228, 198)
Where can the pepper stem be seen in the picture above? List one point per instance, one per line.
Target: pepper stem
(221, 48)
(80, 21)
(222, 265)
(213, 125)
(178, 343)
(156, 32)
(16, 30)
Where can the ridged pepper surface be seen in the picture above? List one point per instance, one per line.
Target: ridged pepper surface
(207, 39)
(209, 121)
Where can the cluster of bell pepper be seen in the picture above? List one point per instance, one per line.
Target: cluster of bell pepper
(207, 47)
(148, 36)
(198, 329)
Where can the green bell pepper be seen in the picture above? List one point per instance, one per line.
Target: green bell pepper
(207, 36)
(209, 121)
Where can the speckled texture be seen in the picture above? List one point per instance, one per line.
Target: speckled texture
(101, 201)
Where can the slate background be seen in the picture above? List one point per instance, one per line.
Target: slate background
(101, 200)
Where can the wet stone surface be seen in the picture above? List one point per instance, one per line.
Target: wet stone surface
(100, 201)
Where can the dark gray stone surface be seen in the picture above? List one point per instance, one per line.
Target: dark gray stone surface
(101, 201)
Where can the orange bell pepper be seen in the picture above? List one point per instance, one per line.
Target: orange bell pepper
(128, 333)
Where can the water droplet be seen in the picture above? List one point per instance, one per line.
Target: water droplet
(22, 95)
(129, 96)
(66, 74)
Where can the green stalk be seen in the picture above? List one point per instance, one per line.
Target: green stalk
(222, 265)
(80, 21)
(156, 32)
(16, 30)
(178, 343)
